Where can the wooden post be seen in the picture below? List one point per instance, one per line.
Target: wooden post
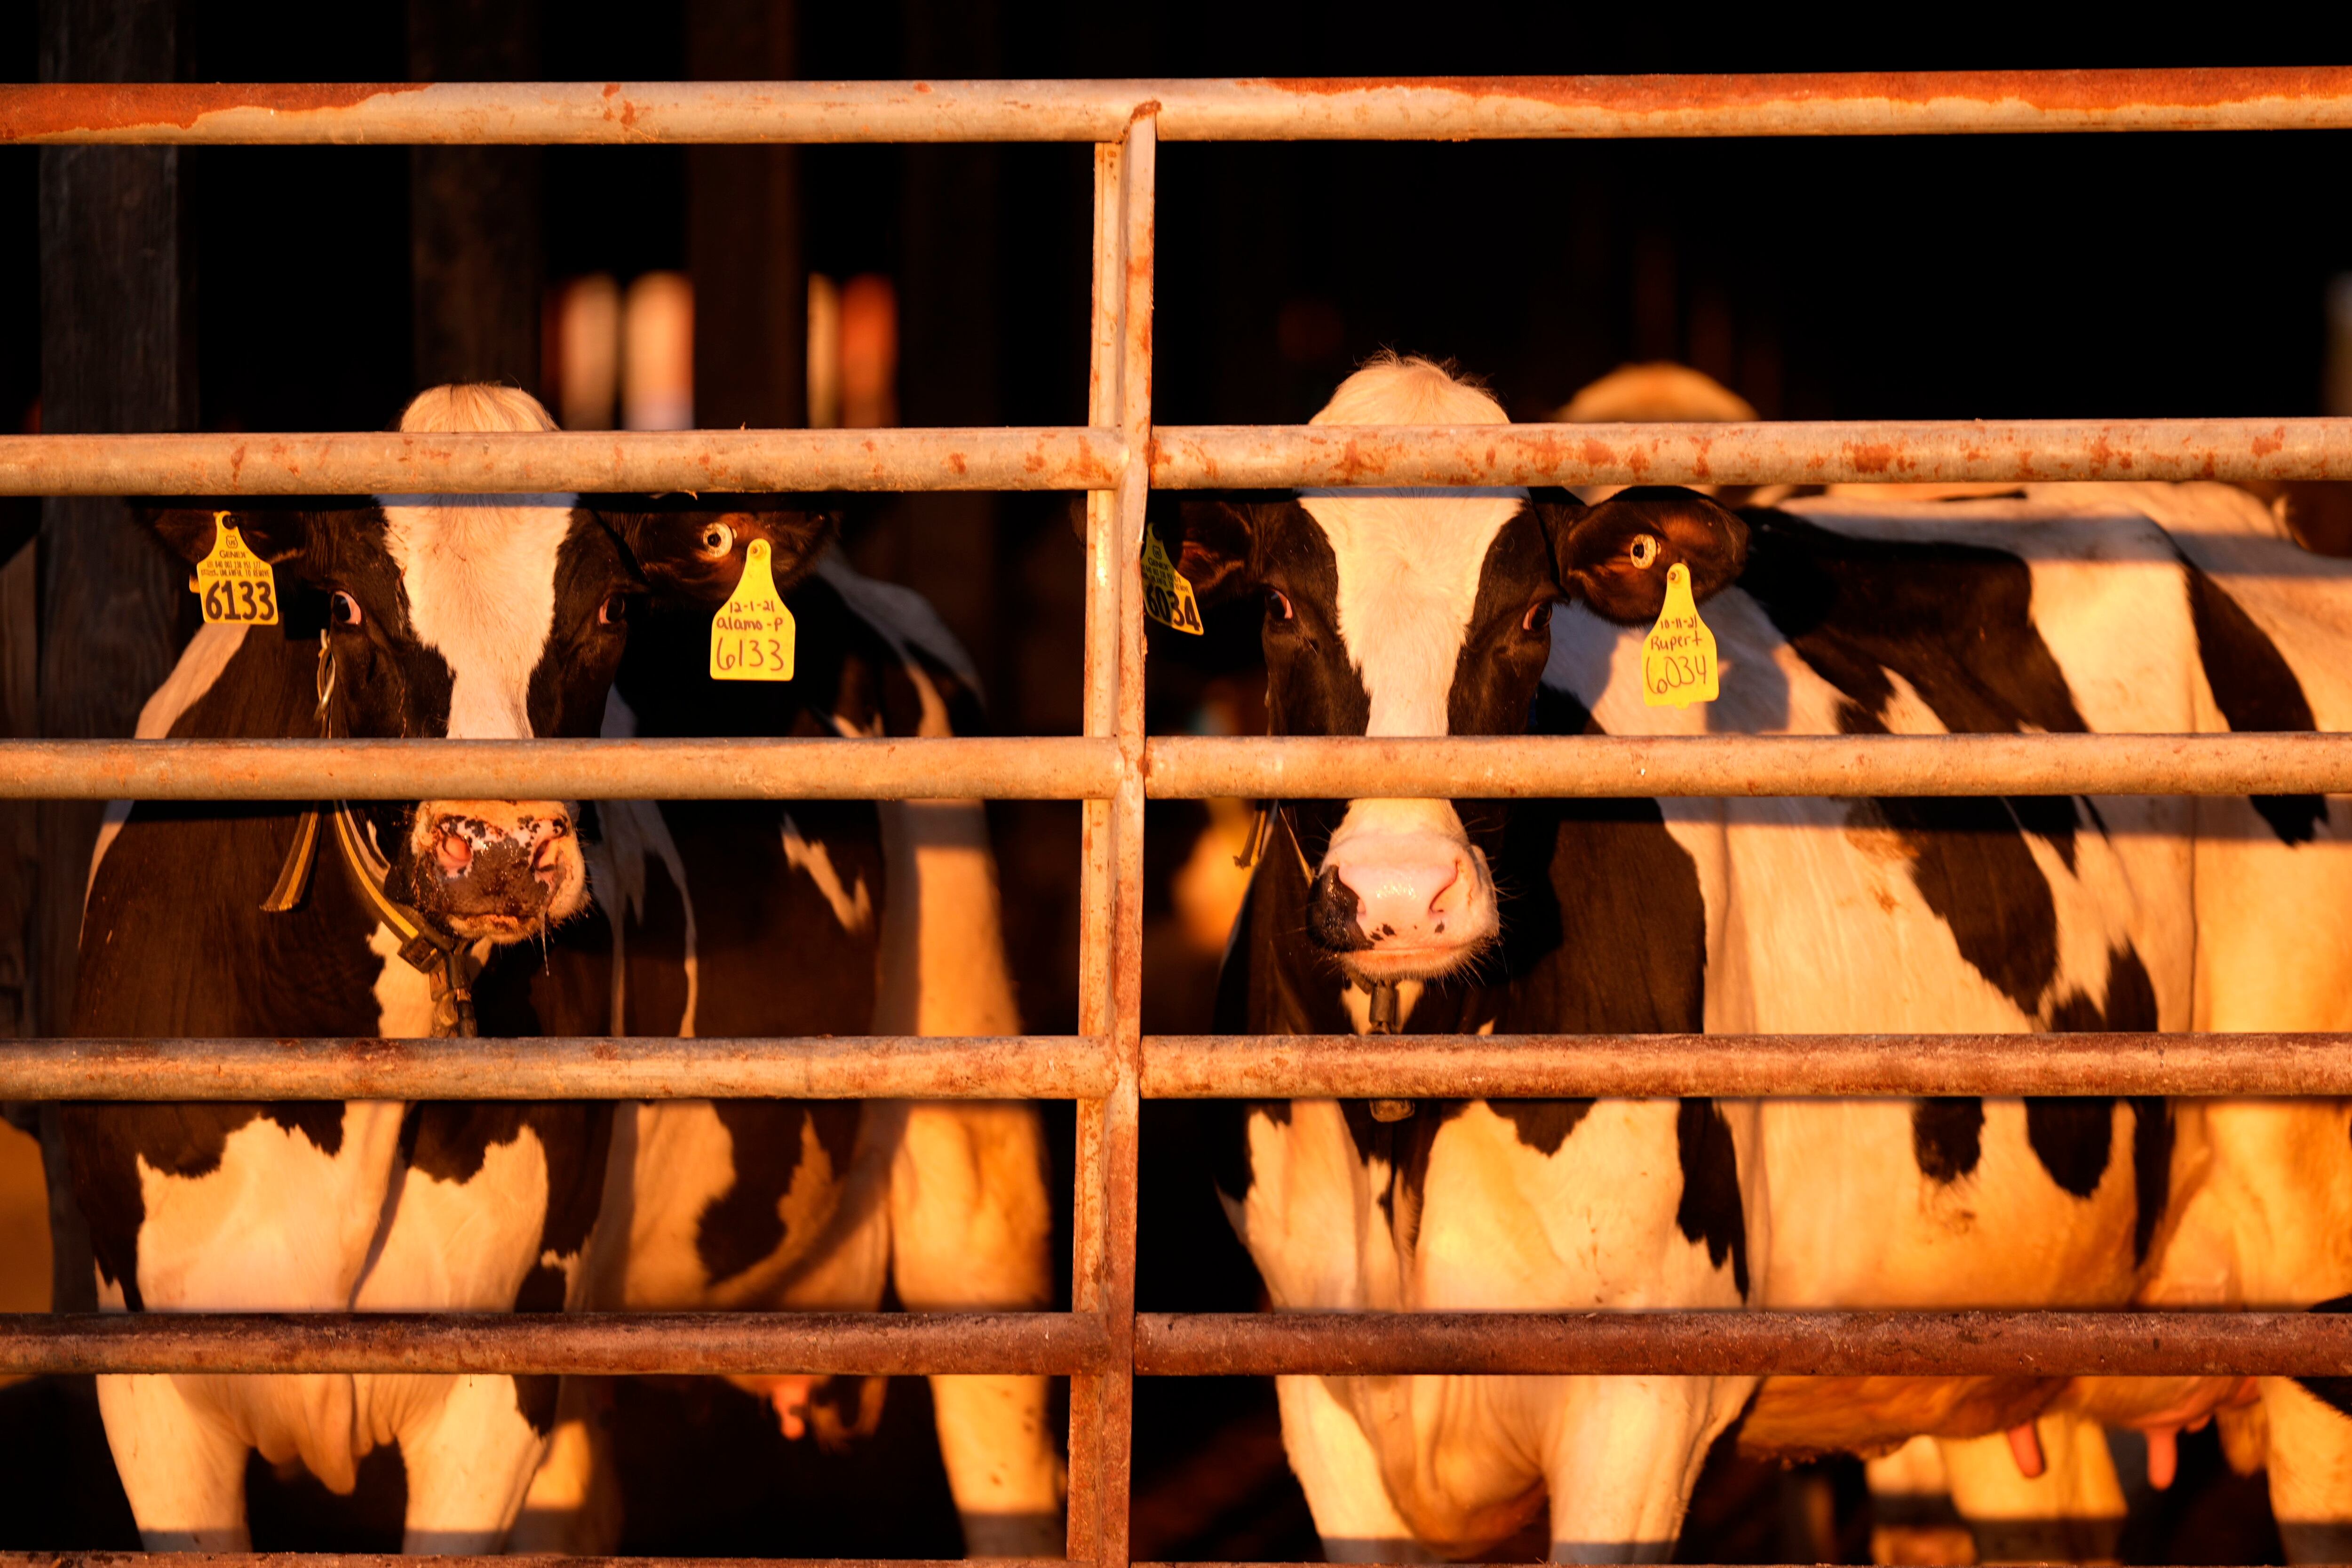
(950, 307)
(743, 235)
(116, 354)
(477, 239)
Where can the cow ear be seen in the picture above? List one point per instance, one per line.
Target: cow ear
(695, 547)
(1614, 555)
(1216, 550)
(277, 534)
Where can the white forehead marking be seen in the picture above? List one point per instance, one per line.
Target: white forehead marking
(1409, 560)
(479, 571)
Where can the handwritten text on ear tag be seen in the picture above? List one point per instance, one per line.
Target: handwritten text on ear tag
(1167, 597)
(751, 634)
(1678, 655)
(232, 583)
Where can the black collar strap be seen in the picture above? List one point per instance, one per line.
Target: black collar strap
(443, 959)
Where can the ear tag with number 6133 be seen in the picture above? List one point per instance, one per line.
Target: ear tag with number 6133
(751, 634)
(234, 585)
(1167, 597)
(1678, 655)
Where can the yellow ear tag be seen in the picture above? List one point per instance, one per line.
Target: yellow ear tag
(234, 585)
(1167, 597)
(1678, 655)
(751, 634)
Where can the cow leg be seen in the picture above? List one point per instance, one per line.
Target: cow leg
(1626, 1459)
(968, 1230)
(1342, 1475)
(2072, 1512)
(183, 1470)
(2311, 1472)
(573, 1505)
(470, 1458)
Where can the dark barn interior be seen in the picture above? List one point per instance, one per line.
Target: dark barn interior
(1930, 278)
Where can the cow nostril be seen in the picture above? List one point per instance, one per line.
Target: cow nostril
(1453, 895)
(455, 852)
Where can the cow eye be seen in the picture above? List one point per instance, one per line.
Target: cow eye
(1537, 618)
(345, 609)
(1643, 550)
(1278, 606)
(613, 611)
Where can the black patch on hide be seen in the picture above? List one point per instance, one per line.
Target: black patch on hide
(1948, 1137)
(1711, 1211)
(2256, 690)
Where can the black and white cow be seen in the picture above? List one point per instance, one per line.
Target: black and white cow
(1469, 612)
(472, 617)
(723, 918)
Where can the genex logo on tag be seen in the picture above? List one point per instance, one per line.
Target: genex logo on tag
(232, 584)
(1678, 655)
(751, 634)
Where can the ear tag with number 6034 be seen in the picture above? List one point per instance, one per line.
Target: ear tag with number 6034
(234, 585)
(1167, 597)
(751, 634)
(1678, 655)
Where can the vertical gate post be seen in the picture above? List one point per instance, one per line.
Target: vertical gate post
(1102, 1407)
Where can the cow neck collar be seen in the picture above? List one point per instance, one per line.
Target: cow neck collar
(444, 960)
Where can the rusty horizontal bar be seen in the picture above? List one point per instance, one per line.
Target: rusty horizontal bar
(1205, 457)
(463, 1560)
(1724, 1344)
(1208, 1344)
(1475, 767)
(1180, 767)
(1442, 108)
(1346, 1067)
(715, 461)
(1244, 457)
(1039, 1067)
(1029, 768)
(1179, 1067)
(615, 1344)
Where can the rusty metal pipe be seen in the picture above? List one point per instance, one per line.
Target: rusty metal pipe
(703, 461)
(1039, 1067)
(1029, 768)
(1182, 767)
(1870, 103)
(1820, 1344)
(1346, 1067)
(1520, 766)
(617, 1344)
(77, 1559)
(1244, 456)
(1182, 457)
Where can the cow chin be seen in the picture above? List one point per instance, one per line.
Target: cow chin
(504, 869)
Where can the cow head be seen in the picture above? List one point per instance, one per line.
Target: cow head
(1427, 611)
(474, 617)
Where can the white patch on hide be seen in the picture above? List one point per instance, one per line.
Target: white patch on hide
(479, 571)
(200, 666)
(1409, 560)
(853, 908)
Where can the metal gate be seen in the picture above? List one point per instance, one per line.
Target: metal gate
(1102, 1345)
